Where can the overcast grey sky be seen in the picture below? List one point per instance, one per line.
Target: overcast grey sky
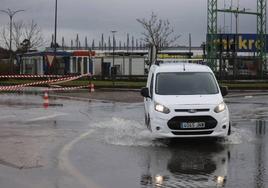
(92, 17)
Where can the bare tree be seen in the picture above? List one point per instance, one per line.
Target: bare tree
(24, 36)
(17, 34)
(34, 34)
(158, 33)
(5, 38)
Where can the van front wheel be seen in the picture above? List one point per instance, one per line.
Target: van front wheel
(148, 122)
(230, 129)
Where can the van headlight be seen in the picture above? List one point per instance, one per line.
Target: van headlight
(159, 180)
(161, 108)
(220, 108)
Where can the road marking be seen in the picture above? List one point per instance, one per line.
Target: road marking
(46, 117)
(248, 97)
(66, 165)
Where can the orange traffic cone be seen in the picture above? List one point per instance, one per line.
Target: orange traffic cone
(92, 87)
(46, 100)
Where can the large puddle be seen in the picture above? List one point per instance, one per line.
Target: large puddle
(121, 152)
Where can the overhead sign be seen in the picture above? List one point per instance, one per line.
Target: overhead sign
(246, 42)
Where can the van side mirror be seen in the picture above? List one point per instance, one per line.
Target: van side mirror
(224, 90)
(145, 92)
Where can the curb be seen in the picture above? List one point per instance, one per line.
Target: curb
(83, 99)
(118, 89)
(243, 93)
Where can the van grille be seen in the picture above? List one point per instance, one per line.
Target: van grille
(192, 110)
(175, 122)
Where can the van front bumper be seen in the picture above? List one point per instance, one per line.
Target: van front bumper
(160, 128)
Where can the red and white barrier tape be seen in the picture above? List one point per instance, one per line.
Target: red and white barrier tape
(51, 89)
(34, 76)
(65, 88)
(21, 86)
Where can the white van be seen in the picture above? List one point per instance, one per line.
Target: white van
(185, 100)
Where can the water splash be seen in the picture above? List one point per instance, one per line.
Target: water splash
(124, 132)
(239, 136)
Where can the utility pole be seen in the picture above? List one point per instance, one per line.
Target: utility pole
(102, 42)
(212, 33)
(55, 29)
(11, 14)
(224, 19)
(231, 16)
(113, 32)
(262, 30)
(237, 11)
(113, 68)
(236, 43)
(190, 44)
(261, 15)
(127, 42)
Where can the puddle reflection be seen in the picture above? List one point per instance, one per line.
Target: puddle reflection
(195, 163)
(260, 127)
(260, 154)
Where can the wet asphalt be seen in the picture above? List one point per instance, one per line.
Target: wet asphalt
(106, 145)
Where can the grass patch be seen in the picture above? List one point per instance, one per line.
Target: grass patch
(97, 83)
(254, 86)
(108, 84)
(132, 84)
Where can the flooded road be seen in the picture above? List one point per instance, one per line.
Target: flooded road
(106, 145)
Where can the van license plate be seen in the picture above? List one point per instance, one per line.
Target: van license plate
(193, 125)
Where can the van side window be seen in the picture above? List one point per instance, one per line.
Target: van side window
(152, 86)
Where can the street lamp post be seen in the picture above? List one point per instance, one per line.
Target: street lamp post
(11, 14)
(54, 39)
(55, 27)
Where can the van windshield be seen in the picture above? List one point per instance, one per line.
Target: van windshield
(186, 83)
